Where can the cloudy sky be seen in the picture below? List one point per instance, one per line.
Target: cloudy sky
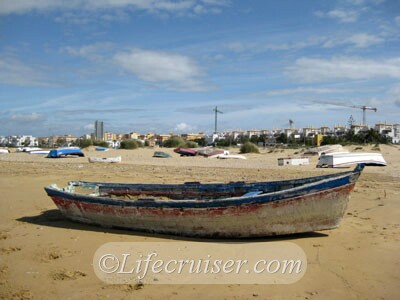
(163, 65)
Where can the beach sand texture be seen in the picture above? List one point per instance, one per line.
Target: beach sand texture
(45, 256)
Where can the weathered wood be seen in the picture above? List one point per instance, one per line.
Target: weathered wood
(213, 210)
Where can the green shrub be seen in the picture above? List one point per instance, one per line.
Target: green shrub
(84, 143)
(174, 142)
(100, 143)
(177, 142)
(130, 144)
(249, 148)
(191, 144)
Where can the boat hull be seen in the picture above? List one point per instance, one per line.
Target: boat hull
(337, 160)
(310, 212)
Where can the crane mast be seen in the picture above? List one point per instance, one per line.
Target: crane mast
(216, 114)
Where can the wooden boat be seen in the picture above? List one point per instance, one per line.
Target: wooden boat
(40, 152)
(185, 151)
(293, 161)
(211, 152)
(234, 210)
(28, 149)
(66, 151)
(335, 160)
(117, 159)
(231, 156)
(161, 154)
(4, 150)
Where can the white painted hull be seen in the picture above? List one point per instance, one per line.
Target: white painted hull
(336, 160)
(117, 159)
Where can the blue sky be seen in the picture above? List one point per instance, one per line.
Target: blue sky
(162, 66)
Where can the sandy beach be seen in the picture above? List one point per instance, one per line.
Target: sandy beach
(45, 256)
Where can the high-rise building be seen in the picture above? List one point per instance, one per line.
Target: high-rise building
(98, 130)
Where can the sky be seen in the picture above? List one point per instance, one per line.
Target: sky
(162, 66)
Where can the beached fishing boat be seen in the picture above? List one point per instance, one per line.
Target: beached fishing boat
(117, 159)
(231, 156)
(101, 149)
(65, 151)
(4, 150)
(40, 152)
(161, 154)
(234, 210)
(337, 160)
(211, 152)
(28, 149)
(185, 151)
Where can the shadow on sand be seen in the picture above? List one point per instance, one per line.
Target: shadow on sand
(54, 218)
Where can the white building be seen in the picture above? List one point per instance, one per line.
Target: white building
(389, 130)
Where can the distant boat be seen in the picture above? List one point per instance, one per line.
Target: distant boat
(4, 150)
(185, 151)
(28, 149)
(229, 210)
(65, 151)
(216, 153)
(210, 152)
(101, 149)
(231, 156)
(117, 159)
(335, 160)
(161, 154)
(40, 152)
(294, 161)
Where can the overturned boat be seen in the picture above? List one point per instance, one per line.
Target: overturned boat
(338, 160)
(65, 151)
(112, 160)
(229, 210)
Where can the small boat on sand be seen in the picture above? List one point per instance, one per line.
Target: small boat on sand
(228, 210)
(335, 160)
(161, 154)
(185, 151)
(231, 156)
(66, 151)
(4, 150)
(40, 152)
(117, 159)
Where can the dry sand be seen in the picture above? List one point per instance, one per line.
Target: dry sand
(44, 256)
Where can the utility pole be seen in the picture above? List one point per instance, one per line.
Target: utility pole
(216, 114)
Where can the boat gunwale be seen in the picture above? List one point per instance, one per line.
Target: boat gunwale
(346, 178)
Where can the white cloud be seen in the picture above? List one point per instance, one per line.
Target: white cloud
(353, 68)
(89, 127)
(183, 127)
(161, 67)
(359, 40)
(29, 117)
(153, 6)
(16, 72)
(93, 51)
(304, 90)
(397, 20)
(343, 16)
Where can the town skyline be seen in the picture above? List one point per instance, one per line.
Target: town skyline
(163, 66)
